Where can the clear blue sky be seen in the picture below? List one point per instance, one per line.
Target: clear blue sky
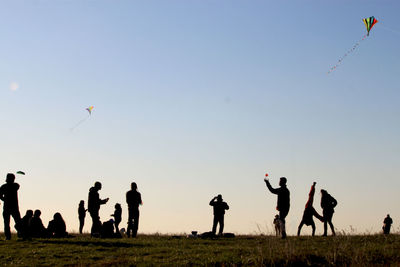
(197, 98)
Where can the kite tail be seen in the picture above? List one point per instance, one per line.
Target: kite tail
(339, 62)
(79, 123)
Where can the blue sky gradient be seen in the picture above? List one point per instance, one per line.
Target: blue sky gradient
(197, 98)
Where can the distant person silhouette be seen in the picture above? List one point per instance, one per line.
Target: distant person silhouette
(81, 215)
(277, 225)
(37, 228)
(9, 194)
(219, 207)
(25, 232)
(387, 223)
(94, 204)
(283, 203)
(133, 199)
(117, 218)
(56, 227)
(328, 203)
(309, 212)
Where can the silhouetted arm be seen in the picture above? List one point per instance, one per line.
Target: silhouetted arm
(2, 193)
(212, 202)
(334, 202)
(272, 190)
(103, 201)
(226, 206)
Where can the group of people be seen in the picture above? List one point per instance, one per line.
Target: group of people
(328, 203)
(106, 229)
(31, 224)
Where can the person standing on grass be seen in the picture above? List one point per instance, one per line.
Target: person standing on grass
(387, 223)
(81, 215)
(9, 194)
(219, 207)
(117, 218)
(328, 203)
(94, 204)
(283, 204)
(309, 212)
(133, 199)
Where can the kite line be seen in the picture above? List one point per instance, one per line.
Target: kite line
(369, 23)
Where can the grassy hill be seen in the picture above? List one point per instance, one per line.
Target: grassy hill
(168, 250)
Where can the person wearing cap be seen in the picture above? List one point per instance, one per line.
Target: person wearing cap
(219, 207)
(133, 199)
(283, 204)
(9, 194)
(94, 203)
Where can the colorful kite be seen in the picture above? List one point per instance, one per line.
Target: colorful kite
(89, 109)
(21, 172)
(369, 23)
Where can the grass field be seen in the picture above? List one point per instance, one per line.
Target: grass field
(167, 250)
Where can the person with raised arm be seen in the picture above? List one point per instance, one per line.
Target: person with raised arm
(283, 203)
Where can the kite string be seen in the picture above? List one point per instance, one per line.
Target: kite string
(346, 54)
(389, 29)
(80, 122)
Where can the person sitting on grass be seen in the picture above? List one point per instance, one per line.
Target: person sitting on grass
(57, 227)
(219, 207)
(309, 213)
(37, 228)
(25, 232)
(117, 218)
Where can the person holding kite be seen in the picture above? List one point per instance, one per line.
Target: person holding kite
(283, 204)
(309, 212)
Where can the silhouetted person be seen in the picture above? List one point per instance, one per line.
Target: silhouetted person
(9, 194)
(37, 228)
(219, 207)
(107, 229)
(117, 218)
(309, 212)
(82, 215)
(25, 223)
(57, 227)
(94, 208)
(134, 199)
(277, 225)
(387, 223)
(283, 204)
(328, 203)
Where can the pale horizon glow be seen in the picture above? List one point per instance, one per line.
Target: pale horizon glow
(199, 98)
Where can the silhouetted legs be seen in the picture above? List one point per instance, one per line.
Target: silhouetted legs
(17, 219)
(133, 222)
(301, 225)
(218, 220)
(282, 216)
(96, 224)
(116, 224)
(81, 224)
(328, 220)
